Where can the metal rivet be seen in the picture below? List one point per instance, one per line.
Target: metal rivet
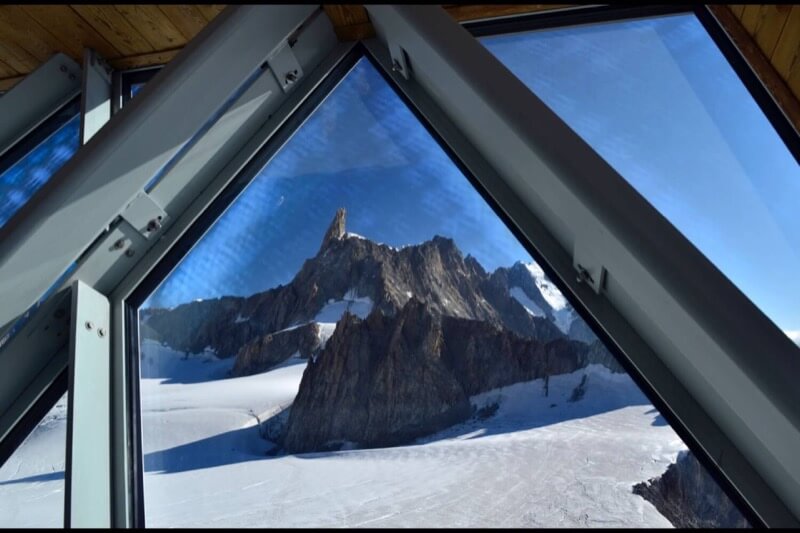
(101, 332)
(89, 325)
(119, 244)
(154, 225)
(129, 252)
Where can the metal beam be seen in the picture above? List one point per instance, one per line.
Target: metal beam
(228, 93)
(41, 93)
(92, 189)
(733, 361)
(88, 465)
(95, 94)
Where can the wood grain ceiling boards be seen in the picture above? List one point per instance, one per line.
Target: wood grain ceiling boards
(128, 36)
(132, 36)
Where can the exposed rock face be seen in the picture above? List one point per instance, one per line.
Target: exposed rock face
(688, 497)
(268, 350)
(386, 380)
(434, 272)
(336, 231)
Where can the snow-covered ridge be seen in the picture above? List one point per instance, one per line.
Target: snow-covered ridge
(563, 314)
(549, 291)
(519, 295)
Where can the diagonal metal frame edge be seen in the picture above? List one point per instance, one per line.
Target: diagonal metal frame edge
(707, 333)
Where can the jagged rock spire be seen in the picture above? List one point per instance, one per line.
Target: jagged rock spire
(336, 231)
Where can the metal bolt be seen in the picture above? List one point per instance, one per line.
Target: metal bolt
(89, 325)
(583, 275)
(101, 332)
(154, 225)
(291, 77)
(119, 244)
(129, 252)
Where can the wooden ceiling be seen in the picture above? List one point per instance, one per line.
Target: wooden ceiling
(131, 36)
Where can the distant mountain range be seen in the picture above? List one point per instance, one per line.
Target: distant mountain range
(399, 338)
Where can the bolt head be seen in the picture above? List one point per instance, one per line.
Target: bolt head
(101, 332)
(89, 325)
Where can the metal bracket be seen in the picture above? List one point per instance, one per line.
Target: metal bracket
(144, 214)
(95, 95)
(590, 270)
(285, 66)
(88, 472)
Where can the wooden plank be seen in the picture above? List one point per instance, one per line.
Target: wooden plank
(7, 72)
(346, 14)
(787, 52)
(765, 24)
(144, 60)
(749, 17)
(780, 90)
(737, 10)
(114, 28)
(7, 83)
(187, 18)
(16, 25)
(355, 32)
(153, 25)
(66, 25)
(210, 11)
(480, 11)
(16, 57)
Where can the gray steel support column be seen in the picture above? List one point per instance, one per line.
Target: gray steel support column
(733, 361)
(96, 185)
(88, 465)
(31, 101)
(99, 185)
(95, 94)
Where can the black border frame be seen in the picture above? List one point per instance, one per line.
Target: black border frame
(134, 77)
(216, 208)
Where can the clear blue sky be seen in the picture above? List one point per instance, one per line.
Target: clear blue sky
(654, 97)
(660, 103)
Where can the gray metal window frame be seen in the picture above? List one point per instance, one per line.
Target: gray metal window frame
(689, 330)
(700, 362)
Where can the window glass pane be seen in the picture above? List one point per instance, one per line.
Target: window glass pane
(32, 479)
(660, 103)
(136, 87)
(20, 181)
(360, 341)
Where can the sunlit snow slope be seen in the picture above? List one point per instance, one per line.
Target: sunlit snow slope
(536, 461)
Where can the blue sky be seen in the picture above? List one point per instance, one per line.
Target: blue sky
(654, 97)
(658, 101)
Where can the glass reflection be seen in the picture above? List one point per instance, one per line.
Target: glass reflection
(660, 103)
(360, 341)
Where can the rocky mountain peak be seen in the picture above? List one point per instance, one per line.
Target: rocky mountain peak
(336, 231)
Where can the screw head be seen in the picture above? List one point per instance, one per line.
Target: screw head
(119, 244)
(101, 332)
(291, 77)
(89, 325)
